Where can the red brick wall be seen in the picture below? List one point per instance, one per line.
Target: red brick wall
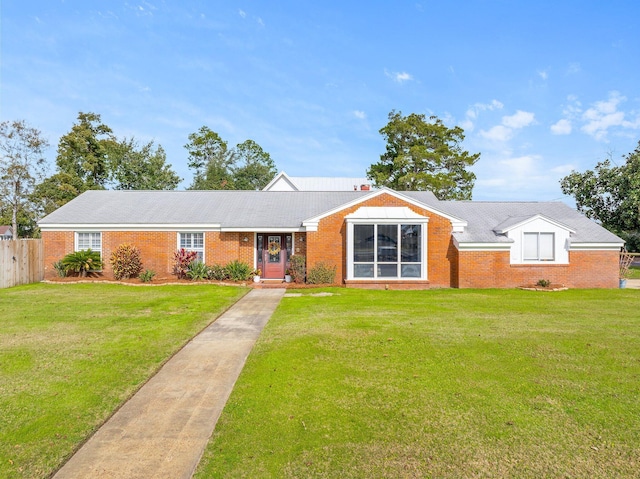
(328, 244)
(156, 248)
(586, 269)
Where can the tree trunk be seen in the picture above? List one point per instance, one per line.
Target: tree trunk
(14, 212)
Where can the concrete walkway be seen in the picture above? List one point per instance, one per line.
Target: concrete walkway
(633, 283)
(161, 432)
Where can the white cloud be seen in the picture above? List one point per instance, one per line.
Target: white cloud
(562, 127)
(498, 133)
(360, 114)
(604, 115)
(563, 170)
(399, 76)
(260, 22)
(504, 132)
(242, 13)
(543, 74)
(473, 111)
(519, 120)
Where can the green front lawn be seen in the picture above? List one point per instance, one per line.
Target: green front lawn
(70, 354)
(448, 383)
(634, 272)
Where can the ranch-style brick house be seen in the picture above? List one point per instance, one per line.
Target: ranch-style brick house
(376, 238)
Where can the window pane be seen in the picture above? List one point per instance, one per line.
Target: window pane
(411, 243)
(363, 240)
(410, 270)
(387, 270)
(91, 241)
(530, 247)
(387, 243)
(260, 246)
(198, 240)
(363, 270)
(546, 246)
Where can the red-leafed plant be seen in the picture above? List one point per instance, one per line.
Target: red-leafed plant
(181, 261)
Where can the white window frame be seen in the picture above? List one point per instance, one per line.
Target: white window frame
(92, 235)
(406, 221)
(190, 246)
(538, 257)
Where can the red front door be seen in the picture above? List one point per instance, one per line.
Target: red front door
(274, 255)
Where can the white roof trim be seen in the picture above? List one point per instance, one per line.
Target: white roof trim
(381, 213)
(129, 227)
(482, 246)
(262, 230)
(595, 246)
(282, 176)
(312, 223)
(533, 218)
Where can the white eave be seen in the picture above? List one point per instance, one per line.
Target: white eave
(478, 246)
(130, 227)
(382, 213)
(595, 246)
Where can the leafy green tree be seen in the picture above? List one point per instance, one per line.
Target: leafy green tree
(610, 195)
(55, 191)
(83, 151)
(134, 167)
(218, 167)
(22, 164)
(255, 167)
(211, 159)
(424, 155)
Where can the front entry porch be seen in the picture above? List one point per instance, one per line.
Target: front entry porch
(273, 251)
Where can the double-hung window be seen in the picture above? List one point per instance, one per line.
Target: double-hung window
(387, 251)
(192, 242)
(539, 247)
(92, 241)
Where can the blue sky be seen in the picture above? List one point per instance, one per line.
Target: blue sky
(540, 87)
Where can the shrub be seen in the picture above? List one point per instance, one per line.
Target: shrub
(543, 283)
(321, 273)
(82, 262)
(298, 268)
(217, 272)
(60, 269)
(181, 261)
(147, 275)
(197, 271)
(126, 262)
(238, 271)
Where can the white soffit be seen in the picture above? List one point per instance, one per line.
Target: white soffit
(385, 213)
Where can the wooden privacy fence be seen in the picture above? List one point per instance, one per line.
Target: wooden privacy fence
(21, 262)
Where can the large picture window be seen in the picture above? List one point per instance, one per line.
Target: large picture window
(192, 242)
(92, 241)
(387, 250)
(538, 247)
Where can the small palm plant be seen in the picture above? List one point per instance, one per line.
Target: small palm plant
(82, 262)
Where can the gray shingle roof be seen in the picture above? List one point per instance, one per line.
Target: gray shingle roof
(230, 209)
(288, 209)
(485, 217)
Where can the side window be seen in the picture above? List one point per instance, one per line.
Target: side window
(92, 241)
(192, 242)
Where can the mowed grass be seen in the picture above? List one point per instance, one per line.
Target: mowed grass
(634, 272)
(442, 383)
(71, 354)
